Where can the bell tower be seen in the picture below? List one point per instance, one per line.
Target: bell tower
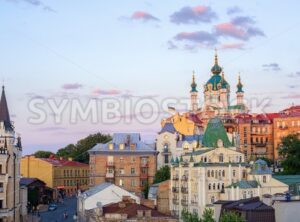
(194, 95)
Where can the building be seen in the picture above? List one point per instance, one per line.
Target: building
(10, 155)
(125, 161)
(255, 134)
(64, 176)
(127, 210)
(37, 192)
(217, 171)
(293, 181)
(251, 209)
(160, 194)
(103, 194)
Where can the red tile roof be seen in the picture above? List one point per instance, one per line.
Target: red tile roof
(58, 162)
(130, 209)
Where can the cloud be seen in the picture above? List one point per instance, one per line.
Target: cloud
(171, 45)
(193, 15)
(242, 21)
(98, 92)
(68, 86)
(36, 3)
(144, 16)
(202, 37)
(233, 46)
(233, 10)
(291, 96)
(294, 75)
(271, 67)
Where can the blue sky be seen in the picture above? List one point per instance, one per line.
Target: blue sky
(145, 48)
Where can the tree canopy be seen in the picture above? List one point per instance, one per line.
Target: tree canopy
(231, 217)
(79, 151)
(290, 151)
(162, 174)
(208, 216)
(43, 154)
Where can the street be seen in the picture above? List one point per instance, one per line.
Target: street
(69, 205)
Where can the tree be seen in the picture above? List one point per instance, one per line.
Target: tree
(231, 217)
(208, 216)
(290, 151)
(79, 152)
(162, 174)
(43, 154)
(146, 190)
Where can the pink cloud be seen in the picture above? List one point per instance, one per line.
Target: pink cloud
(111, 92)
(145, 16)
(233, 46)
(230, 29)
(71, 86)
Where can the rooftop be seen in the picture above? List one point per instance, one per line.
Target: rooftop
(63, 162)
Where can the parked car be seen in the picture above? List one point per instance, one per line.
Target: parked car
(52, 207)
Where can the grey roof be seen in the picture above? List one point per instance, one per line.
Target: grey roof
(4, 113)
(126, 139)
(27, 181)
(250, 204)
(245, 184)
(168, 127)
(97, 189)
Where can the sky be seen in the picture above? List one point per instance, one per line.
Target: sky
(134, 50)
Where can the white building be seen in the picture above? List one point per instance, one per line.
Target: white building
(217, 171)
(101, 195)
(10, 155)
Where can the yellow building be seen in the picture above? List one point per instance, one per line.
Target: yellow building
(67, 176)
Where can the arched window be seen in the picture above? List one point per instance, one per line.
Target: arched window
(166, 148)
(208, 173)
(218, 186)
(223, 186)
(216, 174)
(205, 159)
(223, 173)
(214, 186)
(221, 158)
(212, 173)
(220, 172)
(209, 186)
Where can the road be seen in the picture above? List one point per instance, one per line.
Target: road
(69, 205)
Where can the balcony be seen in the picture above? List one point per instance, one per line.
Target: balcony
(110, 164)
(184, 178)
(176, 177)
(184, 202)
(184, 190)
(109, 175)
(175, 201)
(144, 164)
(175, 189)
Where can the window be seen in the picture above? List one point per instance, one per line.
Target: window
(166, 148)
(233, 173)
(166, 158)
(208, 173)
(212, 173)
(143, 183)
(264, 179)
(121, 159)
(122, 171)
(223, 173)
(186, 146)
(212, 199)
(133, 159)
(121, 146)
(0, 168)
(132, 171)
(111, 146)
(221, 158)
(1, 188)
(244, 195)
(214, 186)
(121, 183)
(144, 170)
(209, 186)
(132, 183)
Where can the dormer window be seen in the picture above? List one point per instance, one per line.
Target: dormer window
(264, 179)
(111, 146)
(121, 146)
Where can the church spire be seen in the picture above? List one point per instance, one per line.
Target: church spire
(239, 85)
(4, 113)
(216, 69)
(194, 84)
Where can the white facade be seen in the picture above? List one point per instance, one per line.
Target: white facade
(103, 194)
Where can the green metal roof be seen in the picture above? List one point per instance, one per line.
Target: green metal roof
(215, 131)
(245, 184)
(288, 179)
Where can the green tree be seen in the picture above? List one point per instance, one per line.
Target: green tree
(146, 190)
(162, 174)
(208, 215)
(79, 152)
(290, 151)
(43, 154)
(231, 217)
